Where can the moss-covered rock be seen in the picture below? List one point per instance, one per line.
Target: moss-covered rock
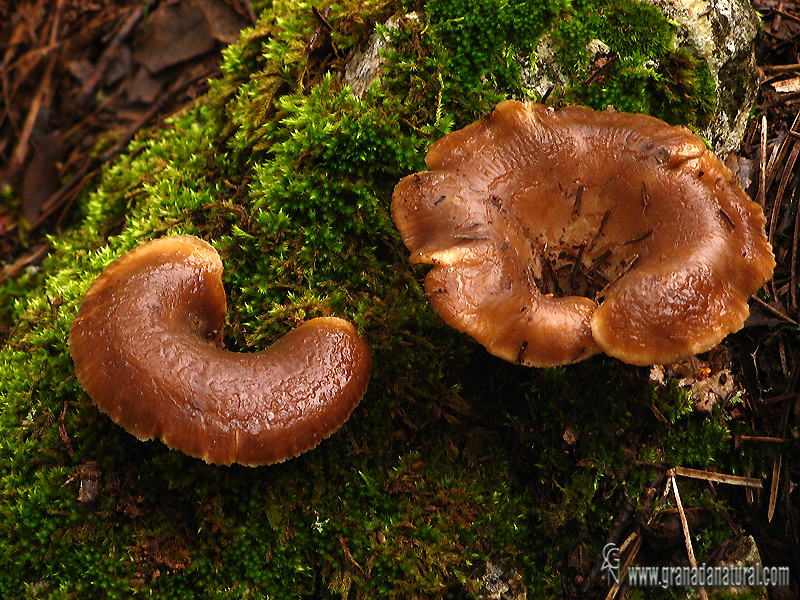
(453, 457)
(686, 62)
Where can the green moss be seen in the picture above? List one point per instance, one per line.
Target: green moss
(453, 457)
(652, 75)
(458, 58)
(466, 56)
(481, 35)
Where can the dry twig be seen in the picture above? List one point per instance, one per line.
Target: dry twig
(686, 535)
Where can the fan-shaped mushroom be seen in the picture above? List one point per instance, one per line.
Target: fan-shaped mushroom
(555, 234)
(147, 348)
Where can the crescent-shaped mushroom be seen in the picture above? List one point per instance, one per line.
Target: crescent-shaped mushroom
(147, 348)
(556, 234)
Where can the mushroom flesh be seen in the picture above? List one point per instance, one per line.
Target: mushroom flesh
(147, 347)
(555, 234)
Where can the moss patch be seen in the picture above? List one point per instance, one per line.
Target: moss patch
(652, 76)
(453, 458)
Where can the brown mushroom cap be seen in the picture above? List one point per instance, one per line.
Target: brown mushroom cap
(147, 348)
(555, 234)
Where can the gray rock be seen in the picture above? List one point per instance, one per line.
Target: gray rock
(722, 32)
(364, 65)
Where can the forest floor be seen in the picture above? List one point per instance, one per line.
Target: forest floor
(75, 92)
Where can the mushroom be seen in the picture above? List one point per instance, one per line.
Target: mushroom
(559, 233)
(147, 347)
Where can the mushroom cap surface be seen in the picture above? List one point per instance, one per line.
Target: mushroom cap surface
(559, 233)
(146, 345)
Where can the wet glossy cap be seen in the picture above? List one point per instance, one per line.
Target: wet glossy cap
(556, 234)
(146, 345)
